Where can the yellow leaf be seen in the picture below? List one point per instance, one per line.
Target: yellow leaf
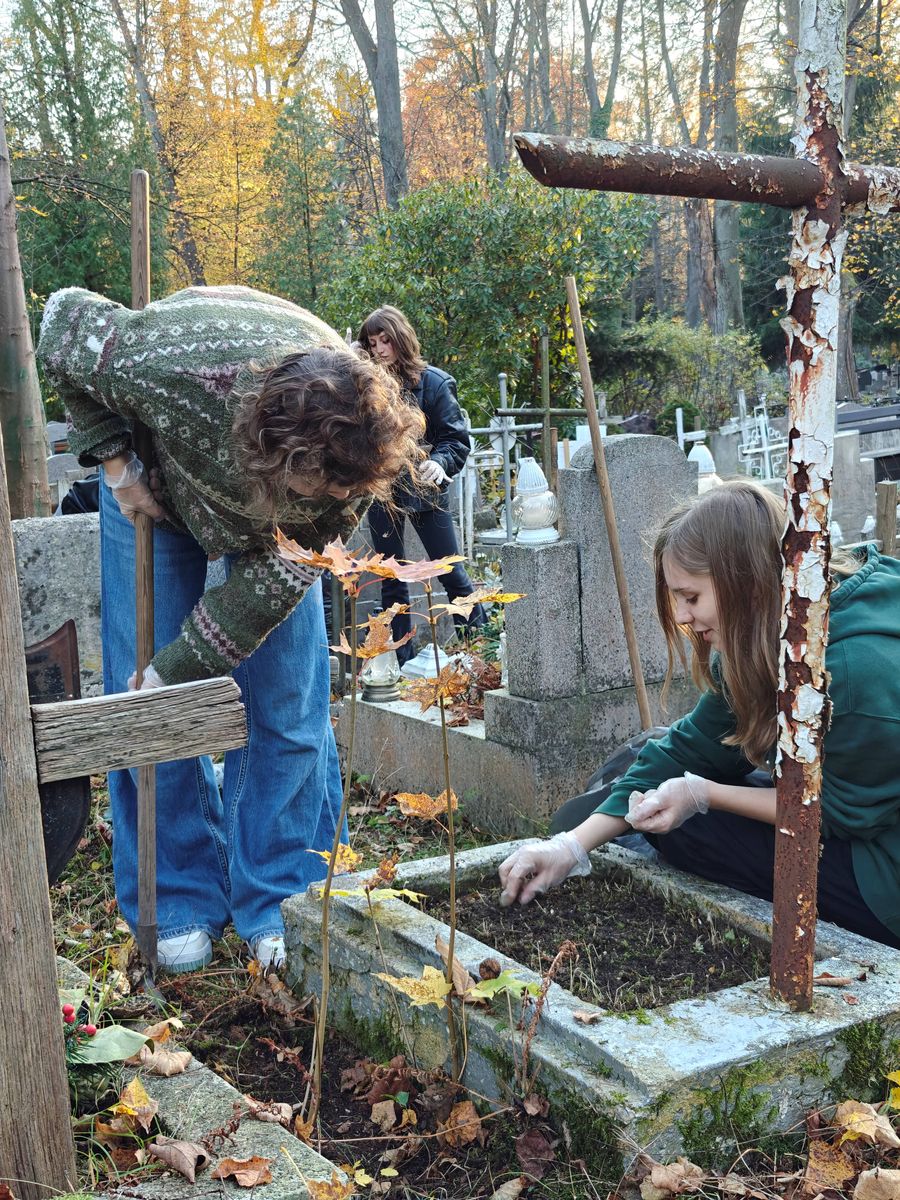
(432, 988)
(135, 1106)
(345, 861)
(827, 1167)
(860, 1121)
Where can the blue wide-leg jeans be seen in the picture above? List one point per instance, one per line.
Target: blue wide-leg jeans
(237, 855)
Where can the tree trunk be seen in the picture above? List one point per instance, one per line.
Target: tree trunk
(589, 76)
(21, 408)
(183, 237)
(605, 114)
(726, 222)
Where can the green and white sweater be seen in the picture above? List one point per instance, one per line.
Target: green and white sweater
(180, 366)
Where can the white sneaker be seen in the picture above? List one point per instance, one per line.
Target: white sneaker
(269, 951)
(185, 952)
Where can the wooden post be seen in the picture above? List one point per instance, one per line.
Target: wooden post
(146, 932)
(886, 516)
(37, 1155)
(609, 512)
(545, 402)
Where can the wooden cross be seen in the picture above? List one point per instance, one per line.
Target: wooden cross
(820, 187)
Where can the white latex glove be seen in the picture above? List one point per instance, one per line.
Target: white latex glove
(531, 870)
(151, 680)
(132, 490)
(670, 805)
(432, 472)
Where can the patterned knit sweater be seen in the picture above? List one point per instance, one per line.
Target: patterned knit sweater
(180, 366)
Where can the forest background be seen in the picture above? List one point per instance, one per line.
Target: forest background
(346, 155)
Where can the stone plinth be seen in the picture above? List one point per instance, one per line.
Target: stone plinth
(543, 629)
(648, 476)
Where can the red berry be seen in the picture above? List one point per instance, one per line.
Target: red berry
(68, 1010)
(90, 1030)
(69, 1018)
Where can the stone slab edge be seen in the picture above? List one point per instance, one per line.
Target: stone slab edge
(191, 1106)
(672, 1050)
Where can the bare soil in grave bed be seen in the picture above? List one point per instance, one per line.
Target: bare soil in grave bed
(636, 948)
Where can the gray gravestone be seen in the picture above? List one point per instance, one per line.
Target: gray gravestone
(648, 476)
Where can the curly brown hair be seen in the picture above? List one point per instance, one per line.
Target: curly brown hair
(395, 325)
(330, 415)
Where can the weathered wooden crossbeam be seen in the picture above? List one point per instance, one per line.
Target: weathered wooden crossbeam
(686, 171)
(131, 729)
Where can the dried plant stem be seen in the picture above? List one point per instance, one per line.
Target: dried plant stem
(322, 1014)
(451, 846)
(567, 950)
(401, 1025)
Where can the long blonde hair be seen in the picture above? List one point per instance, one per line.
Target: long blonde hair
(733, 534)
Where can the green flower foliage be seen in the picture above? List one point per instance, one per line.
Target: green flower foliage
(478, 266)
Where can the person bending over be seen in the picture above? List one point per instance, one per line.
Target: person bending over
(260, 418)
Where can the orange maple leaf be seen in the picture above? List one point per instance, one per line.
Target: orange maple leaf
(420, 804)
(450, 683)
(335, 1189)
(346, 859)
(334, 557)
(378, 638)
(414, 572)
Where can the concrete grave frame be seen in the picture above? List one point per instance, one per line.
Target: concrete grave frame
(680, 1078)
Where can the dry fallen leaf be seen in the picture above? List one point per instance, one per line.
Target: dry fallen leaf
(860, 1121)
(384, 1115)
(586, 1016)
(534, 1152)
(134, 1110)
(827, 1167)
(333, 1189)
(511, 1190)
(421, 804)
(160, 1060)
(187, 1158)
(246, 1172)
(273, 1112)
(303, 1129)
(878, 1184)
(535, 1105)
(462, 980)
(462, 1126)
(162, 1030)
(679, 1176)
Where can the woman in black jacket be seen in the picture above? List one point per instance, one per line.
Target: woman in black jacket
(390, 339)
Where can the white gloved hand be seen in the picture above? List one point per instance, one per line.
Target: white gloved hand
(665, 808)
(151, 680)
(432, 472)
(132, 490)
(531, 870)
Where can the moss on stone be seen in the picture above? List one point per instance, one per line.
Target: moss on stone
(871, 1054)
(727, 1116)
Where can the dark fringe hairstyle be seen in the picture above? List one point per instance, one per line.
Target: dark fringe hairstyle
(391, 321)
(331, 415)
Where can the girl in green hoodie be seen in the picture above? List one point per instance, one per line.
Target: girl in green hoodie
(718, 584)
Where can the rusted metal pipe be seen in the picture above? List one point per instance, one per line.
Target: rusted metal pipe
(705, 174)
(811, 325)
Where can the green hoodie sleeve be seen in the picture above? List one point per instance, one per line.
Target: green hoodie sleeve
(692, 744)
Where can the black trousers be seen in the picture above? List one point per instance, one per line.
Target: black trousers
(740, 853)
(437, 534)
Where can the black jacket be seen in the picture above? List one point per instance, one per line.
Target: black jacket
(445, 433)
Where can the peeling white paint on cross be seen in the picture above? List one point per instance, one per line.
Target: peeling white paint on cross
(820, 188)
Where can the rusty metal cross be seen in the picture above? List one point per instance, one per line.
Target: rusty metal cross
(820, 188)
